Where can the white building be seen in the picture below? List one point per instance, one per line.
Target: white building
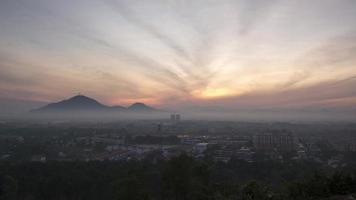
(200, 148)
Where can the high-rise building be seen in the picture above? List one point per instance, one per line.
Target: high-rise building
(175, 118)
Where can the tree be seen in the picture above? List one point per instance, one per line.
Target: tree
(255, 191)
(8, 188)
(130, 188)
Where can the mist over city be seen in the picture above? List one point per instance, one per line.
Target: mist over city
(178, 100)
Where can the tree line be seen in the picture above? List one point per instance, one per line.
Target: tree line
(180, 178)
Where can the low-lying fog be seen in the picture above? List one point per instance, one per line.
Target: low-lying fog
(243, 115)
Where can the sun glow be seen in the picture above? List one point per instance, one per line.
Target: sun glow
(210, 93)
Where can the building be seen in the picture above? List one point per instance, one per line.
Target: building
(270, 142)
(200, 148)
(175, 118)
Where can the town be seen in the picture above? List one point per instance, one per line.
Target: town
(328, 144)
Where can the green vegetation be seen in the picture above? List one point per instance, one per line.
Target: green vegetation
(181, 178)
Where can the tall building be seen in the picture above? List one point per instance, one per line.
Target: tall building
(175, 118)
(159, 128)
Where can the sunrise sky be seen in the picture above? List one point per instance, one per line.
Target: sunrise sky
(181, 53)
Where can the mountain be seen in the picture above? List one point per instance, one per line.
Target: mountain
(82, 103)
(76, 103)
(140, 107)
(118, 108)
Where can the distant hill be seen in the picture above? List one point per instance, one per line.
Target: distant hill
(86, 104)
(118, 108)
(76, 103)
(140, 107)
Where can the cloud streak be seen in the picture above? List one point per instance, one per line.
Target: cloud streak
(234, 53)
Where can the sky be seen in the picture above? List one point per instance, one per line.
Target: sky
(216, 54)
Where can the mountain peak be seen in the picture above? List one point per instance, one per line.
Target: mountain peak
(84, 103)
(81, 98)
(79, 102)
(138, 106)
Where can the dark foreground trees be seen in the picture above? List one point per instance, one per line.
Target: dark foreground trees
(181, 178)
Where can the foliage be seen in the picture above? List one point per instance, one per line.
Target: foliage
(181, 178)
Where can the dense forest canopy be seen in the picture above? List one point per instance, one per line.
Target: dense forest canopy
(181, 177)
